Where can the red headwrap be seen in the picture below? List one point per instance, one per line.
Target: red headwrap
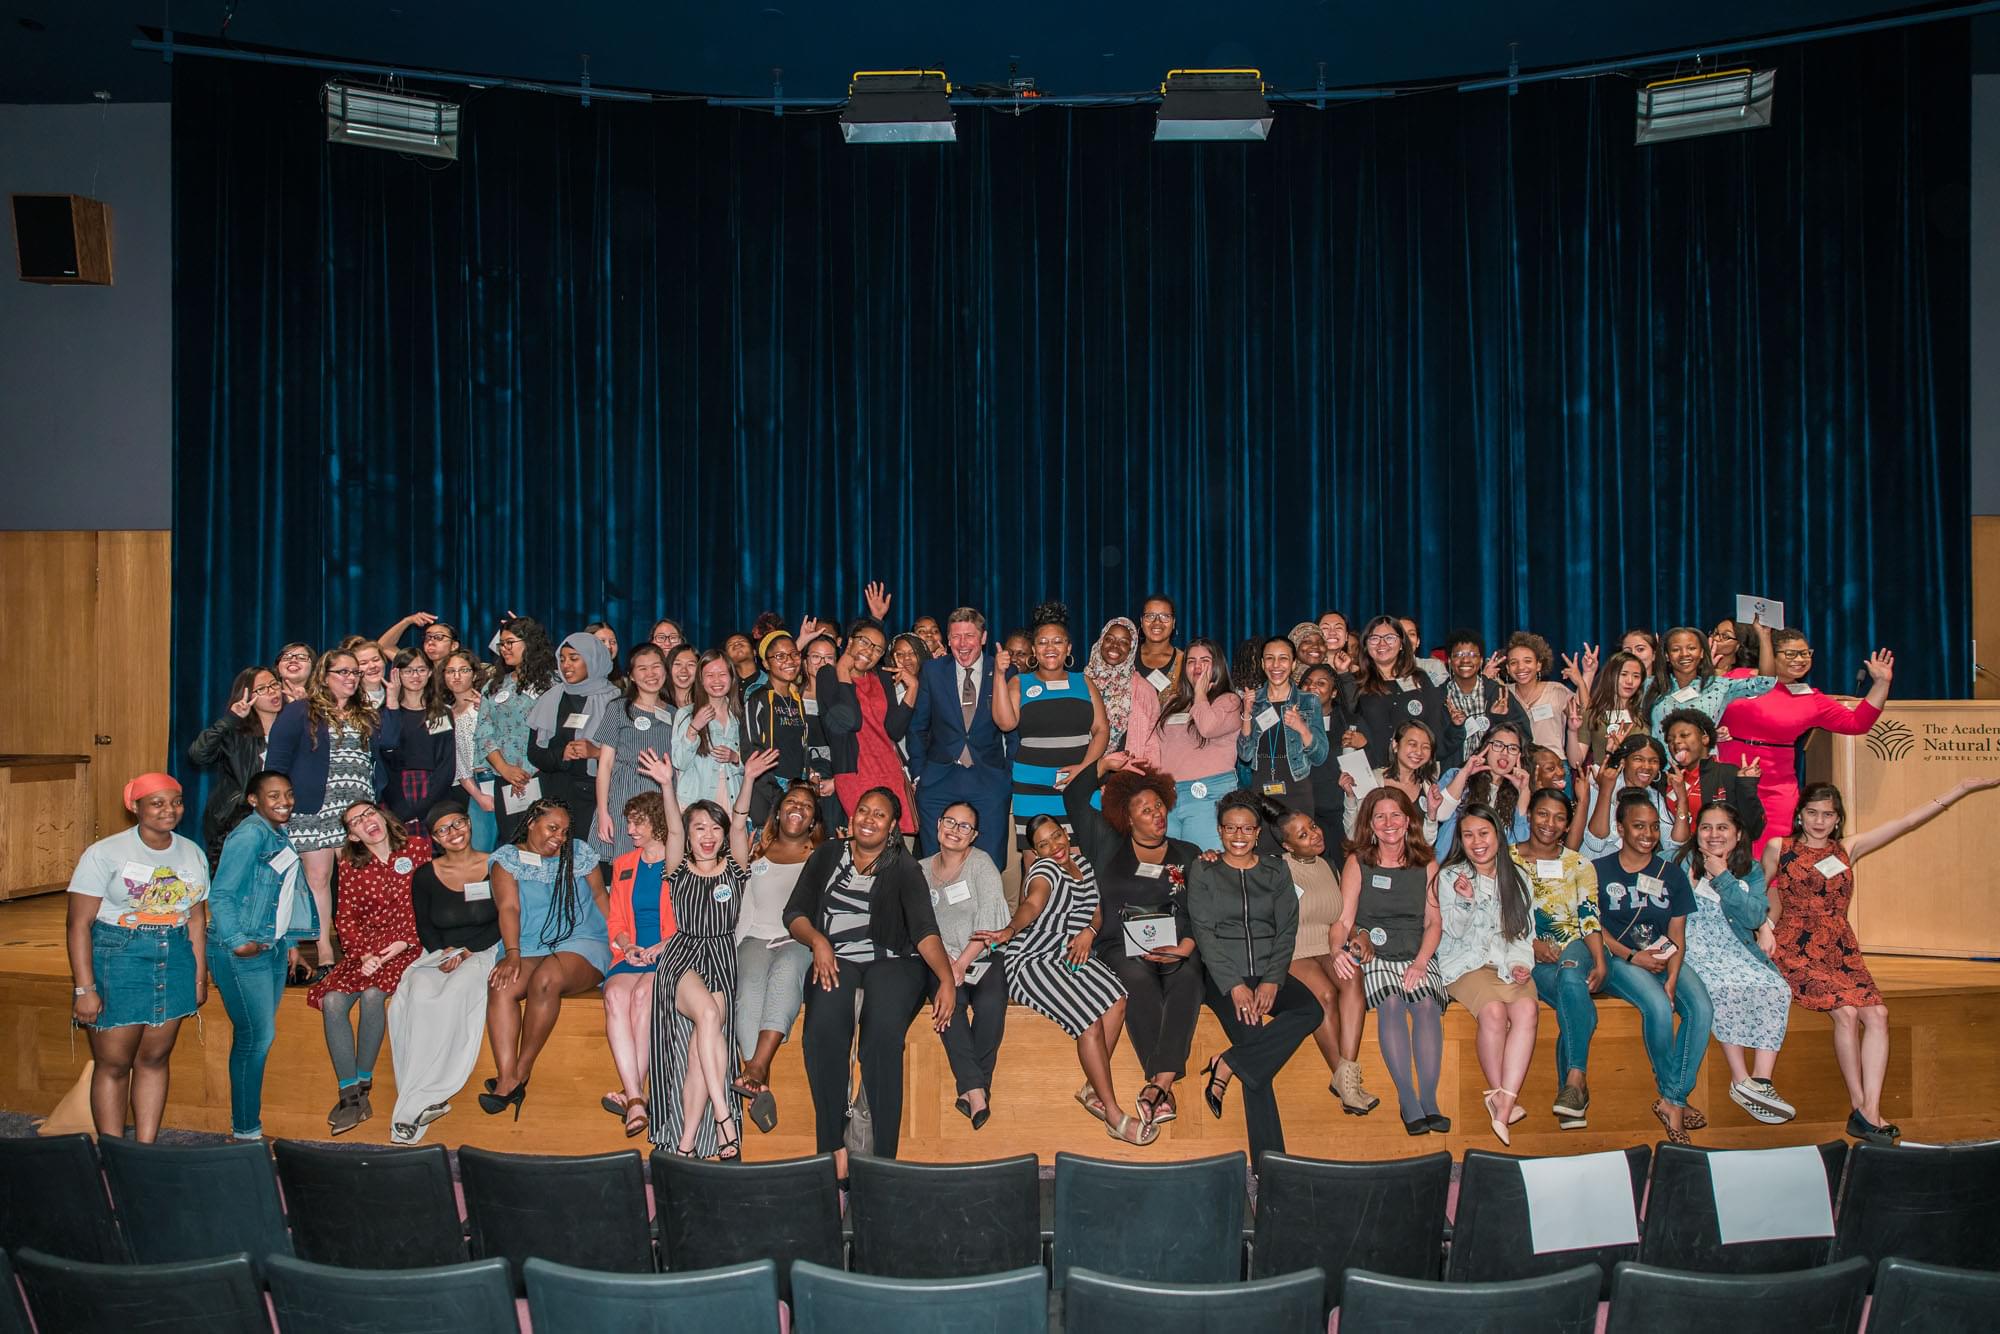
(145, 785)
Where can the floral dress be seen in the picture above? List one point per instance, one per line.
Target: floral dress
(373, 910)
(1818, 951)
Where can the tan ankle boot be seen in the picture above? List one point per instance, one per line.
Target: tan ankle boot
(1354, 1100)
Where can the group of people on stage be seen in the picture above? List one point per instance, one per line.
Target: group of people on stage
(1331, 822)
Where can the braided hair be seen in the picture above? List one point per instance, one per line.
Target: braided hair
(565, 908)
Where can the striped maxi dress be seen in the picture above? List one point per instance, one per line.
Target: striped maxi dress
(1054, 733)
(704, 940)
(1039, 975)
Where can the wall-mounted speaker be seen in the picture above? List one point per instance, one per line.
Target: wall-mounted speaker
(62, 239)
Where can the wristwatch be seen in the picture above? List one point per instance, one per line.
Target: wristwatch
(81, 991)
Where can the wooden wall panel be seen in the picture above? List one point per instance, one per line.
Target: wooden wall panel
(86, 617)
(1986, 604)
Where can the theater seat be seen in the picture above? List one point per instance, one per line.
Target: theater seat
(52, 1199)
(828, 1301)
(741, 1299)
(1682, 1231)
(1490, 1236)
(1163, 1222)
(13, 1315)
(195, 1202)
(1386, 1217)
(371, 1208)
(1826, 1300)
(1560, 1303)
(474, 1298)
(1913, 1298)
(589, 1212)
(216, 1296)
(1096, 1303)
(718, 1214)
(1932, 1205)
(945, 1220)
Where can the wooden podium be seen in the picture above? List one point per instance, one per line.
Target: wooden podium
(1932, 891)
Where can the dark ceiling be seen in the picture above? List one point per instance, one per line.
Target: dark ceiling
(66, 50)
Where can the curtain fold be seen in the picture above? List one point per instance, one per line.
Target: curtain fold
(1474, 358)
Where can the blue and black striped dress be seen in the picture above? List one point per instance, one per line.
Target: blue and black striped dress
(1054, 732)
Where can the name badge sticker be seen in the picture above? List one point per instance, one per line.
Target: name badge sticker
(1151, 870)
(957, 892)
(478, 891)
(1830, 866)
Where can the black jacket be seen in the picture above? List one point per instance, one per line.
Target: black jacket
(1725, 782)
(899, 909)
(840, 715)
(235, 755)
(419, 748)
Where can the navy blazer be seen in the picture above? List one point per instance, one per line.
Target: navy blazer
(938, 735)
(306, 764)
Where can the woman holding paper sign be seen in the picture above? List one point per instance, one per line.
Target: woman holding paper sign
(1142, 902)
(560, 727)
(1283, 732)
(437, 1017)
(527, 669)
(1811, 877)
(966, 895)
(1187, 733)
(1486, 955)
(1684, 678)
(1643, 902)
(1768, 726)
(257, 905)
(1390, 927)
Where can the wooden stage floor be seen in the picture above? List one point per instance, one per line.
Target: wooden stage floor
(1944, 1078)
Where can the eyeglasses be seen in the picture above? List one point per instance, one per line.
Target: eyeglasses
(343, 671)
(1467, 655)
(451, 825)
(1500, 748)
(1155, 617)
(1726, 634)
(956, 826)
(296, 657)
(1794, 653)
(436, 636)
(1239, 828)
(458, 671)
(269, 688)
(1373, 640)
(508, 641)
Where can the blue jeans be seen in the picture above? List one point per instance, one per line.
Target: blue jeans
(1564, 987)
(485, 829)
(250, 990)
(1193, 818)
(1675, 1056)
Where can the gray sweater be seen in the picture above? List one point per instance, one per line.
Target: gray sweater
(970, 901)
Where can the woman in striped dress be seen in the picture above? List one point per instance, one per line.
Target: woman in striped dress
(1059, 716)
(1050, 968)
(694, 991)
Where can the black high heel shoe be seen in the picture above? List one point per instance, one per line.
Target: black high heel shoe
(494, 1103)
(1217, 1086)
(730, 1149)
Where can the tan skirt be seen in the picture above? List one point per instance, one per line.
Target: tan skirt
(1482, 986)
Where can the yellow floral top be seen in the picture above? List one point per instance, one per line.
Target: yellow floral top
(1565, 895)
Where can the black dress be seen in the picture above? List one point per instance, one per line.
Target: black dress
(567, 781)
(449, 921)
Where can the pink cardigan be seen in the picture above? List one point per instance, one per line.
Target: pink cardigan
(1174, 749)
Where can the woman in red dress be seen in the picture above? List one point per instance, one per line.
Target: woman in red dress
(1811, 879)
(1768, 726)
(377, 927)
(864, 720)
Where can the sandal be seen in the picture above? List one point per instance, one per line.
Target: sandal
(731, 1149)
(1217, 1086)
(614, 1103)
(1157, 1105)
(636, 1119)
(1087, 1097)
(763, 1108)
(1673, 1136)
(1692, 1118)
(1148, 1132)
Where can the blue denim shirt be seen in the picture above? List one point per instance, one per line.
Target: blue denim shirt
(1303, 755)
(1745, 904)
(243, 895)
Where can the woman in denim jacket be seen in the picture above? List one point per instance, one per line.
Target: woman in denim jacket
(1283, 734)
(258, 905)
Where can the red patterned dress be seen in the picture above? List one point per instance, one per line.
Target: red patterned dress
(372, 910)
(879, 764)
(1818, 951)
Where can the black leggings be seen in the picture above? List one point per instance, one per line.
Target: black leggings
(891, 991)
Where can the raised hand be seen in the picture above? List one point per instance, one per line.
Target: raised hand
(1752, 768)
(758, 764)
(878, 600)
(1003, 661)
(1881, 666)
(809, 629)
(241, 707)
(650, 763)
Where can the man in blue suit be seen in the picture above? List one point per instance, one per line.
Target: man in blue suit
(956, 752)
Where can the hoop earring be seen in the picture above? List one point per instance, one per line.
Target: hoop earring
(1069, 659)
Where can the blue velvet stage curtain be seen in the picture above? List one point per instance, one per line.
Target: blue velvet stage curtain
(1472, 357)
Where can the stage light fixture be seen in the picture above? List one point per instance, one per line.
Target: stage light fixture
(1733, 99)
(1212, 104)
(898, 106)
(378, 118)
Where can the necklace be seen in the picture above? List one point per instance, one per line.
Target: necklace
(1149, 846)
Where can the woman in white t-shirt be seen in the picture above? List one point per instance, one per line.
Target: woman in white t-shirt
(137, 936)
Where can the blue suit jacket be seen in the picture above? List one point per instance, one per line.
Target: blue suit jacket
(937, 729)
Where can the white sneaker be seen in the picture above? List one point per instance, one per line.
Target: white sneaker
(1761, 1100)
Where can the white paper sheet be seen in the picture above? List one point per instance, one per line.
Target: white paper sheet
(1769, 610)
(1579, 1202)
(1355, 764)
(1770, 1194)
(530, 794)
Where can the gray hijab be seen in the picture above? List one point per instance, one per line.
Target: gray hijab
(594, 689)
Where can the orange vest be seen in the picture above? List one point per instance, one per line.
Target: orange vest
(624, 872)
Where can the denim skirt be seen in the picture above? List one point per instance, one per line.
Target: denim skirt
(145, 974)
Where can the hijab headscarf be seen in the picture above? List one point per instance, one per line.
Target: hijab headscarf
(1297, 635)
(595, 689)
(1114, 682)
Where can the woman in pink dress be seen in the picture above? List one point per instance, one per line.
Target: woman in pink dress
(1768, 726)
